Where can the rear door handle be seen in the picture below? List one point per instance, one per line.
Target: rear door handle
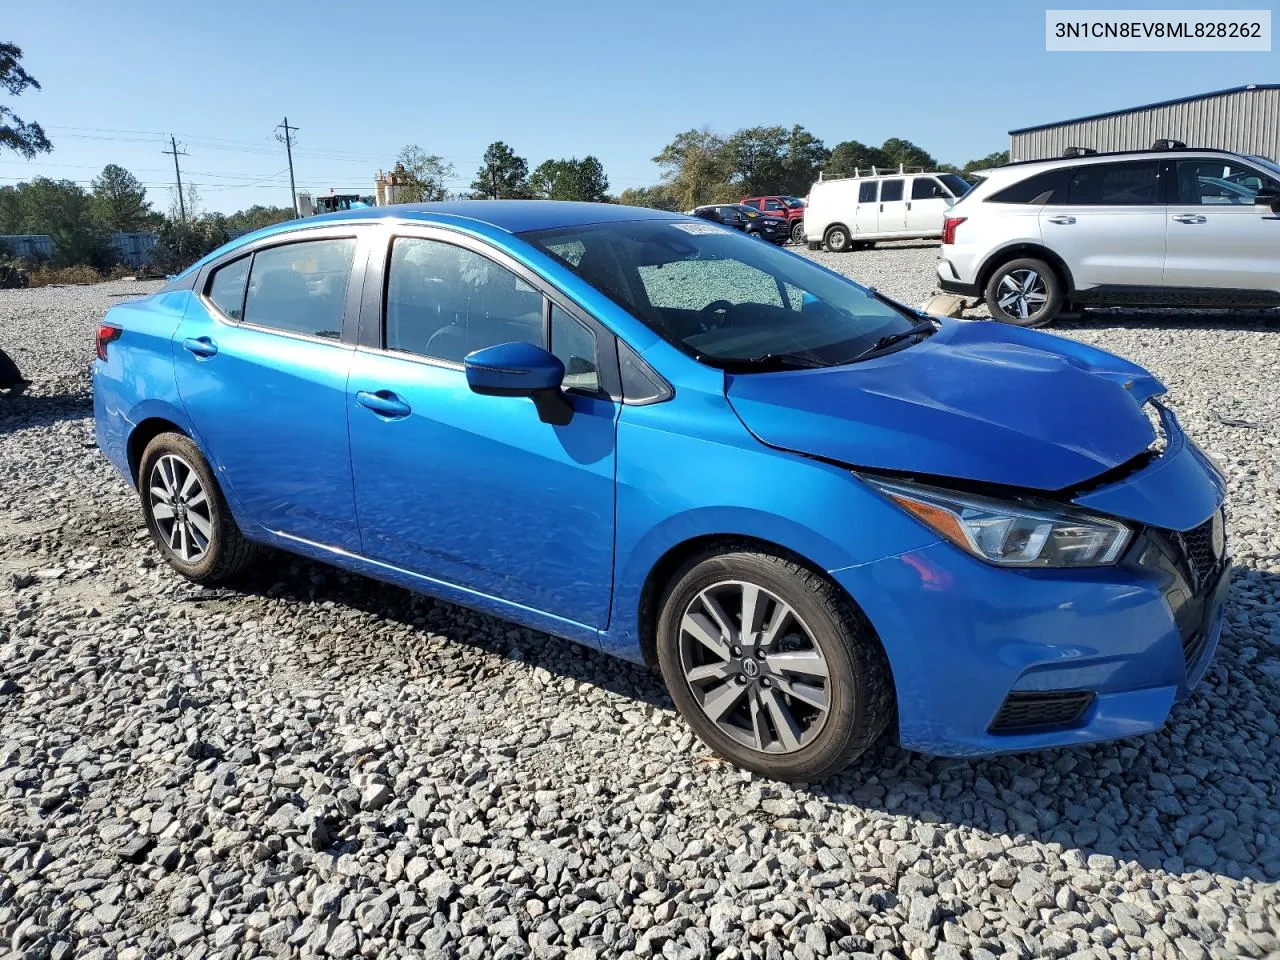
(384, 403)
(200, 346)
(1063, 221)
(1190, 218)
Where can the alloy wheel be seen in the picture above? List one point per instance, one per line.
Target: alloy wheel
(1022, 293)
(754, 667)
(180, 507)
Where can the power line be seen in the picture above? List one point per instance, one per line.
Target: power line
(177, 172)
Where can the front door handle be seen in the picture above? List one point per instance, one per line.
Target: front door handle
(202, 347)
(384, 403)
(1063, 221)
(1190, 218)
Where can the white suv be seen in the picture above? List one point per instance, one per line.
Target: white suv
(1170, 227)
(853, 213)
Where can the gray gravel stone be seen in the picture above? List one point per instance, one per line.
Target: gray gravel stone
(326, 766)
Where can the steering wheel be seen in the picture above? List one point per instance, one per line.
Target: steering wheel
(714, 315)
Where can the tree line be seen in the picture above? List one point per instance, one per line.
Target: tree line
(703, 166)
(503, 175)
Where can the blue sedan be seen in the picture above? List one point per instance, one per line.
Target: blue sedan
(821, 514)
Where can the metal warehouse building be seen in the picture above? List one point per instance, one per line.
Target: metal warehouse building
(1243, 119)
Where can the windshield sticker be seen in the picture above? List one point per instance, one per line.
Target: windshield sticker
(698, 228)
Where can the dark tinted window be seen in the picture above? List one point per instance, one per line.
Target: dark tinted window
(1217, 182)
(1041, 188)
(926, 188)
(301, 287)
(226, 288)
(890, 190)
(1115, 184)
(867, 192)
(444, 302)
(956, 184)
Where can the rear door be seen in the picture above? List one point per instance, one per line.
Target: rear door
(1107, 221)
(891, 214)
(262, 363)
(867, 213)
(1218, 238)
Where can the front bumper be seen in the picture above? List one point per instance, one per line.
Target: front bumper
(963, 635)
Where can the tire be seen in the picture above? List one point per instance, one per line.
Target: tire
(813, 244)
(837, 239)
(1041, 298)
(804, 742)
(206, 547)
(797, 232)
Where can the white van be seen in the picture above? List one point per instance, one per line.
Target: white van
(852, 213)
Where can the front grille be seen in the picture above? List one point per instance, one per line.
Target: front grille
(1028, 711)
(1192, 564)
(1198, 553)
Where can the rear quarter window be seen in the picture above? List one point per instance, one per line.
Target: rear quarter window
(1037, 189)
(226, 288)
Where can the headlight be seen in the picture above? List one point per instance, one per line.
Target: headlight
(1010, 533)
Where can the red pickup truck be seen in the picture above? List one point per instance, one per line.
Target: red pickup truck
(779, 206)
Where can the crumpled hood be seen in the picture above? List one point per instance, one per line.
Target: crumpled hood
(975, 401)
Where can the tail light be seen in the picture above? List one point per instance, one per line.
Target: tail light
(949, 228)
(107, 333)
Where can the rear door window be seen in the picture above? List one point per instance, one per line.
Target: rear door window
(1134, 184)
(890, 191)
(301, 287)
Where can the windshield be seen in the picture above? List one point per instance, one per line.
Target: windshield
(792, 202)
(1269, 164)
(722, 296)
(958, 185)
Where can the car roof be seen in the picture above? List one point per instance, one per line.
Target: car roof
(509, 216)
(1028, 167)
(513, 216)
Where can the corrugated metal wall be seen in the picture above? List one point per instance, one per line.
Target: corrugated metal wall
(1247, 122)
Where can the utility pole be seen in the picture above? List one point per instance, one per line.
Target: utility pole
(177, 172)
(287, 139)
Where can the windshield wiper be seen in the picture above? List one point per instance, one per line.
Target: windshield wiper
(925, 328)
(764, 363)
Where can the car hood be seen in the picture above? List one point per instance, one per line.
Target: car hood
(976, 401)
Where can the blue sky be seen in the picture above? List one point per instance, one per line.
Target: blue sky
(553, 79)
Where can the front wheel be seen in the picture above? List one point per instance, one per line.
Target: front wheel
(797, 232)
(771, 665)
(837, 239)
(186, 513)
(1025, 292)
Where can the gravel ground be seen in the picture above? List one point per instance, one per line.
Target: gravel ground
(316, 764)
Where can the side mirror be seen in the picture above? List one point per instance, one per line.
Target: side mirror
(1268, 197)
(521, 370)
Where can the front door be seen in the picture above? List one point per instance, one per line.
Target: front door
(927, 206)
(1218, 238)
(1108, 224)
(472, 490)
(262, 370)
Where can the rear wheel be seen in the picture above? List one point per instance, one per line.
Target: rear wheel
(771, 665)
(186, 514)
(1025, 292)
(837, 239)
